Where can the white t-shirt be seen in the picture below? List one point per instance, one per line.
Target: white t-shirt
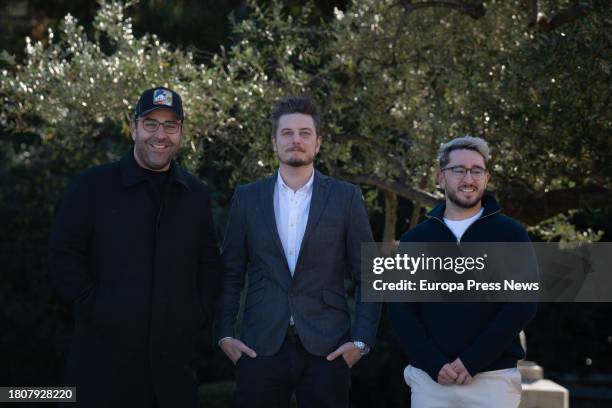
(458, 227)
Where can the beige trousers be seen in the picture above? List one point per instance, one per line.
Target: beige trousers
(491, 389)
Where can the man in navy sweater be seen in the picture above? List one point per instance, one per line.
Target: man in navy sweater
(463, 354)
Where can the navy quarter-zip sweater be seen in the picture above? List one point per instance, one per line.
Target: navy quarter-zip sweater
(484, 335)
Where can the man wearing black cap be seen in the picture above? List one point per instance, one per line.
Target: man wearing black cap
(133, 249)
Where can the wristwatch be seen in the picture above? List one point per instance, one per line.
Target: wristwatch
(363, 348)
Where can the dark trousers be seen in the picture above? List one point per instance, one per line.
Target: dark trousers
(269, 382)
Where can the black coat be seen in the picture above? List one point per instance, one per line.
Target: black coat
(142, 276)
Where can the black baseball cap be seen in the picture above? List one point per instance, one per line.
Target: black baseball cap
(157, 98)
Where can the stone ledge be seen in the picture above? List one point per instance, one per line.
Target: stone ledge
(544, 394)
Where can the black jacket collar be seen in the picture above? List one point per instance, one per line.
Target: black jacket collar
(132, 173)
(489, 204)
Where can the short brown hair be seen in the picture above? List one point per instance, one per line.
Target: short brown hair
(476, 144)
(295, 104)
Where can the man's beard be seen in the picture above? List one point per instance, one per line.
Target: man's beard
(452, 196)
(294, 161)
(148, 157)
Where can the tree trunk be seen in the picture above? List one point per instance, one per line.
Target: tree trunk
(416, 214)
(390, 216)
(529, 207)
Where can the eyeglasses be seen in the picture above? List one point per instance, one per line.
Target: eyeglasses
(459, 172)
(151, 125)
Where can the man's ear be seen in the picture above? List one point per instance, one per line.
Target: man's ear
(133, 125)
(319, 140)
(441, 180)
(273, 140)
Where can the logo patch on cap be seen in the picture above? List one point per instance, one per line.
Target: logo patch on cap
(162, 97)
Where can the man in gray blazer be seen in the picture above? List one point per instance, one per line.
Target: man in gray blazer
(295, 235)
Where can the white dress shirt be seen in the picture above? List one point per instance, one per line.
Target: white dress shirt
(291, 212)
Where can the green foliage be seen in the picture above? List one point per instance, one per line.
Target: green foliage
(75, 92)
(393, 85)
(559, 228)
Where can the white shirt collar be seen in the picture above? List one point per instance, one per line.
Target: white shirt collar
(280, 183)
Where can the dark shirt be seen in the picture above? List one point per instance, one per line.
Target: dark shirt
(159, 181)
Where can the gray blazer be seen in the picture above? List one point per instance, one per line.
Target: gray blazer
(315, 296)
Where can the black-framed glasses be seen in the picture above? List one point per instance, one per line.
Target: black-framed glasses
(459, 172)
(151, 125)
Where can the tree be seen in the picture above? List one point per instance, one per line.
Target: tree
(396, 81)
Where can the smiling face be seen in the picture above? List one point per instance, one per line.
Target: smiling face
(155, 150)
(296, 141)
(464, 192)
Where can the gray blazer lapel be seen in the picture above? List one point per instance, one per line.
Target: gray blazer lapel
(320, 194)
(266, 204)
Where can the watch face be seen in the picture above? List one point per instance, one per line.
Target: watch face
(362, 347)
